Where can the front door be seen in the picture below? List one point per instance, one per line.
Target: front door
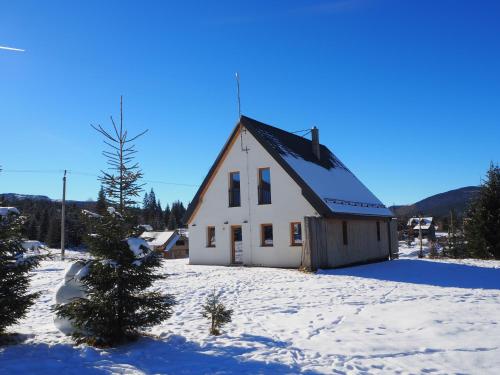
(236, 245)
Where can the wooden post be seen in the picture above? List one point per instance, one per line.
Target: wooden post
(63, 216)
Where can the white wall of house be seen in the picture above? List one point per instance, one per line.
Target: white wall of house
(288, 205)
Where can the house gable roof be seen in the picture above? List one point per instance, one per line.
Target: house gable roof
(327, 184)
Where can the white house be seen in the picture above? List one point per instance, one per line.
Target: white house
(267, 192)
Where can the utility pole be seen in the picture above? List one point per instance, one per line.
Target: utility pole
(63, 215)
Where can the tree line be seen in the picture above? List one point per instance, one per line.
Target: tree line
(43, 217)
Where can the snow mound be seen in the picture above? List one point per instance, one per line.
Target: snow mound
(138, 246)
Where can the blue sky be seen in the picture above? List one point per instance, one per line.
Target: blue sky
(406, 93)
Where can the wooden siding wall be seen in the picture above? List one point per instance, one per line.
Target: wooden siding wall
(394, 238)
(324, 247)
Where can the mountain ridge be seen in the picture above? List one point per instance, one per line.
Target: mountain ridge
(439, 205)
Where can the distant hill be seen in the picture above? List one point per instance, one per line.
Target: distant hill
(439, 205)
(13, 197)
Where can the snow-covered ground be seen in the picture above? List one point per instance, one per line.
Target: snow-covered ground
(405, 316)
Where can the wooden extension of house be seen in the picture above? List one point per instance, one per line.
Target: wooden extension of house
(273, 198)
(173, 244)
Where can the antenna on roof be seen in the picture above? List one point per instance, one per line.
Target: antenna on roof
(238, 88)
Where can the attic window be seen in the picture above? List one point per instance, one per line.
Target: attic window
(234, 189)
(264, 189)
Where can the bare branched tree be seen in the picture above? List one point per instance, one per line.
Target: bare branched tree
(121, 181)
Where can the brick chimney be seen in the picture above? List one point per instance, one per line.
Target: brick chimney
(316, 149)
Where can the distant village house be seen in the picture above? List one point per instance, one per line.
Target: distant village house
(425, 224)
(173, 244)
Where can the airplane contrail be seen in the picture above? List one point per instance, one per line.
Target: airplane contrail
(11, 49)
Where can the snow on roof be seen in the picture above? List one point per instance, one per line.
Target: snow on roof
(425, 220)
(328, 177)
(339, 188)
(423, 226)
(159, 238)
(4, 211)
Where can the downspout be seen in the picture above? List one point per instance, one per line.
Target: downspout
(246, 149)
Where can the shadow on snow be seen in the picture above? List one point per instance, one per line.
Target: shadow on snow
(171, 356)
(426, 272)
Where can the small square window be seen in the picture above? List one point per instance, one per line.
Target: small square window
(296, 234)
(266, 235)
(210, 236)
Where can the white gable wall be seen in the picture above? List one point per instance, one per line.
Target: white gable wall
(288, 205)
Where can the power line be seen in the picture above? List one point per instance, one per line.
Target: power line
(58, 171)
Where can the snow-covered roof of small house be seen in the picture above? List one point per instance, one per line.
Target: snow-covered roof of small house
(4, 211)
(167, 238)
(329, 186)
(423, 226)
(425, 220)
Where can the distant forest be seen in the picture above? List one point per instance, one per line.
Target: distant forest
(43, 216)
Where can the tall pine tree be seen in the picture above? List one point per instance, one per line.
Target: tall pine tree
(482, 233)
(119, 302)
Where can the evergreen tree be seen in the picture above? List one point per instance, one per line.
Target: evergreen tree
(218, 314)
(30, 229)
(166, 215)
(101, 204)
(159, 220)
(119, 302)
(53, 238)
(172, 221)
(482, 233)
(14, 271)
(455, 243)
(151, 207)
(145, 209)
(43, 229)
(75, 227)
(178, 210)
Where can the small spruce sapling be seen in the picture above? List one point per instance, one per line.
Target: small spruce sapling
(218, 314)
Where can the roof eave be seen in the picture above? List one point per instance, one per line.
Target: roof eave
(191, 210)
